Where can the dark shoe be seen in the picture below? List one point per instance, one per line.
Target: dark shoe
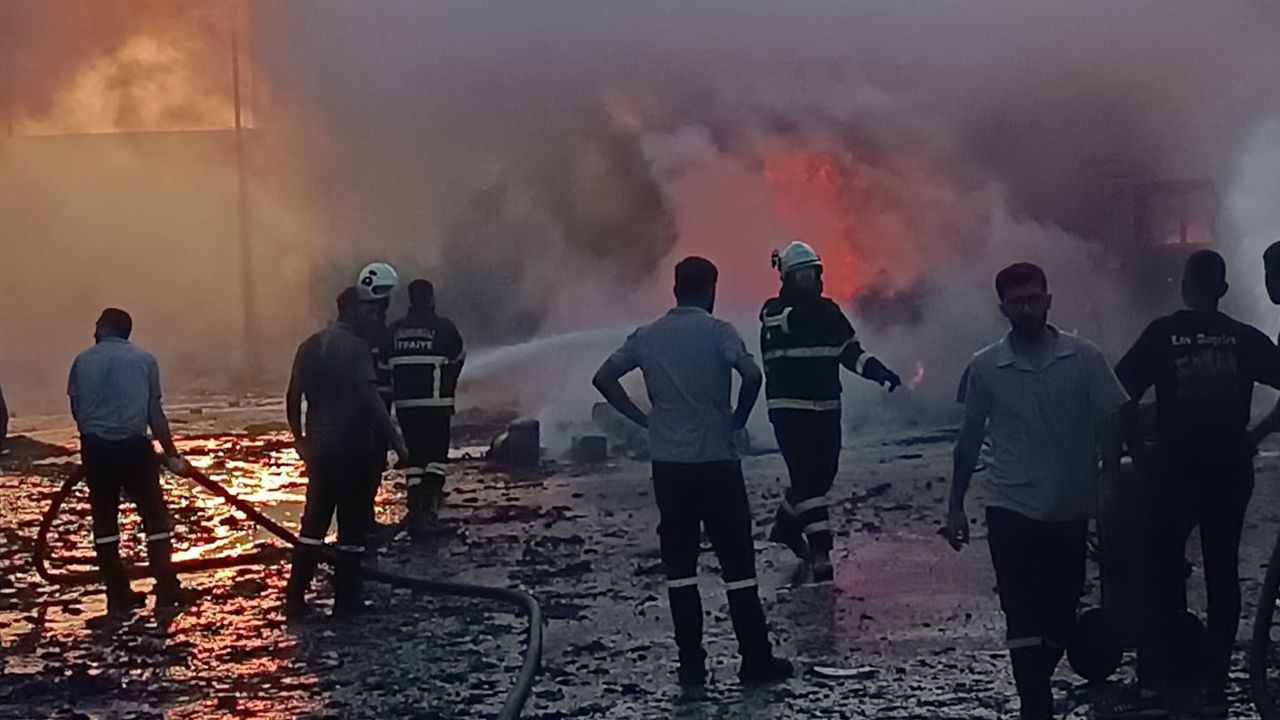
(823, 572)
(1214, 704)
(692, 675)
(300, 613)
(772, 669)
(121, 605)
(174, 597)
(786, 532)
(1132, 703)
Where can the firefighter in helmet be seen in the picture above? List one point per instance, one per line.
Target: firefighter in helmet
(426, 359)
(376, 283)
(805, 338)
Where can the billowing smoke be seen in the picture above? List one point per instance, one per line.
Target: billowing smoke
(546, 164)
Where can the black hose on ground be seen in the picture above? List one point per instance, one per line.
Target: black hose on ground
(522, 601)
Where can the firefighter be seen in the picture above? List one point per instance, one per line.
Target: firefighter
(426, 359)
(343, 444)
(805, 338)
(376, 284)
(114, 388)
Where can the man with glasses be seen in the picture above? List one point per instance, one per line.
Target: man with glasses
(1049, 401)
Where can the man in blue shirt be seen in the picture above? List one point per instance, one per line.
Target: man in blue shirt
(687, 357)
(114, 388)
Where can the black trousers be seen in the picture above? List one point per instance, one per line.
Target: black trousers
(810, 444)
(129, 467)
(1040, 568)
(426, 432)
(691, 497)
(1209, 490)
(338, 483)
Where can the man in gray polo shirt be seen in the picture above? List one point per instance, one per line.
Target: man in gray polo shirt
(1050, 403)
(686, 357)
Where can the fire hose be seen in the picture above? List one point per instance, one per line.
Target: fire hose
(523, 602)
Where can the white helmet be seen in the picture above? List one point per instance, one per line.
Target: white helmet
(377, 281)
(796, 256)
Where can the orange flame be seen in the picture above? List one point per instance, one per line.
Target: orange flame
(808, 194)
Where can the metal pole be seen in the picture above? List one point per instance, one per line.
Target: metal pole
(249, 305)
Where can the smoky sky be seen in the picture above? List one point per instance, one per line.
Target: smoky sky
(543, 161)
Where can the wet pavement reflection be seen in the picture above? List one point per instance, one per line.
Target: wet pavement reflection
(909, 630)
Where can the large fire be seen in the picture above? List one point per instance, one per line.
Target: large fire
(140, 67)
(808, 193)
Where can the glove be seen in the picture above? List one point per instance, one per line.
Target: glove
(875, 371)
(178, 465)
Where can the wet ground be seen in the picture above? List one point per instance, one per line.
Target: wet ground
(915, 627)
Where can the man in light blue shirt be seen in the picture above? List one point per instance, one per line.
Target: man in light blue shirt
(687, 358)
(114, 388)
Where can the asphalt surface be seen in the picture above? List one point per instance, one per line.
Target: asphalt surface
(912, 628)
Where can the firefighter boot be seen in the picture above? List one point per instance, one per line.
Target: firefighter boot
(758, 662)
(421, 519)
(301, 573)
(786, 530)
(347, 584)
(169, 592)
(121, 600)
(686, 616)
(820, 544)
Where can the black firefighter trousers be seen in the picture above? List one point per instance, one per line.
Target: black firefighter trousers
(426, 433)
(128, 466)
(339, 481)
(810, 443)
(693, 496)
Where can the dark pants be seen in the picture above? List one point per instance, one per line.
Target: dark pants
(1039, 575)
(712, 496)
(810, 444)
(129, 467)
(426, 432)
(1210, 491)
(339, 481)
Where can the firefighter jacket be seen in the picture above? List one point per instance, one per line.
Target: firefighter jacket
(426, 360)
(804, 343)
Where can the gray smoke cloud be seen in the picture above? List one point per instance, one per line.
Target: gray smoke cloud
(545, 163)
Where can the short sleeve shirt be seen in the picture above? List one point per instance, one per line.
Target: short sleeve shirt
(1043, 425)
(335, 369)
(1203, 365)
(687, 358)
(112, 387)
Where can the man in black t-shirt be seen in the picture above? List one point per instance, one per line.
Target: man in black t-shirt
(1203, 365)
(1271, 263)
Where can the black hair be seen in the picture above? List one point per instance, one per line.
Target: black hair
(421, 293)
(1272, 254)
(117, 322)
(695, 278)
(1206, 270)
(1023, 273)
(348, 299)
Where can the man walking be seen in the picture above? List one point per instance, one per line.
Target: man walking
(1049, 400)
(805, 339)
(1203, 365)
(426, 359)
(343, 445)
(686, 358)
(114, 388)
